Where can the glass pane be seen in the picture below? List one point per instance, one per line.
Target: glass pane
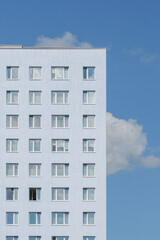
(32, 170)
(60, 97)
(66, 72)
(90, 218)
(8, 72)
(53, 121)
(66, 193)
(85, 121)
(66, 97)
(54, 146)
(60, 217)
(53, 194)
(37, 145)
(38, 169)
(84, 145)
(90, 145)
(37, 121)
(15, 97)
(53, 218)
(38, 194)
(37, 97)
(84, 97)
(31, 145)
(16, 169)
(53, 99)
(9, 218)
(30, 121)
(60, 169)
(90, 170)
(60, 145)
(91, 97)
(53, 170)
(37, 73)
(66, 169)
(38, 218)
(8, 97)
(31, 73)
(53, 76)
(10, 194)
(14, 121)
(60, 121)
(9, 169)
(66, 121)
(7, 121)
(66, 146)
(91, 73)
(30, 97)
(84, 169)
(84, 218)
(16, 194)
(16, 218)
(8, 145)
(60, 193)
(14, 73)
(84, 194)
(32, 218)
(84, 73)
(66, 218)
(59, 73)
(91, 194)
(91, 121)
(14, 145)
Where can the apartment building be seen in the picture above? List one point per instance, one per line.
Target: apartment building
(53, 143)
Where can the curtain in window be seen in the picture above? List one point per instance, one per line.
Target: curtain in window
(14, 145)
(91, 97)
(90, 121)
(14, 97)
(66, 72)
(14, 73)
(59, 73)
(37, 121)
(91, 194)
(60, 170)
(90, 145)
(37, 97)
(9, 169)
(60, 121)
(90, 170)
(60, 145)
(90, 218)
(60, 97)
(60, 194)
(32, 170)
(14, 120)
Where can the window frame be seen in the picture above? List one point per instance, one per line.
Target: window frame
(33, 145)
(14, 194)
(36, 218)
(87, 145)
(65, 144)
(10, 141)
(10, 92)
(56, 121)
(36, 237)
(13, 237)
(35, 67)
(14, 218)
(36, 170)
(87, 121)
(34, 121)
(57, 237)
(64, 97)
(34, 97)
(37, 189)
(87, 194)
(65, 169)
(87, 97)
(10, 121)
(87, 71)
(13, 169)
(87, 170)
(11, 73)
(63, 77)
(64, 219)
(87, 219)
(56, 194)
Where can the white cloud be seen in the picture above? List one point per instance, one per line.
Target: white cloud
(67, 40)
(126, 145)
(141, 54)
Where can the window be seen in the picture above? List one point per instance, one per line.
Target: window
(88, 170)
(12, 73)
(12, 218)
(88, 194)
(88, 238)
(11, 238)
(60, 170)
(59, 72)
(60, 121)
(34, 170)
(12, 121)
(88, 145)
(60, 194)
(60, 238)
(12, 169)
(89, 73)
(12, 145)
(12, 97)
(34, 238)
(88, 97)
(34, 218)
(11, 194)
(34, 145)
(35, 97)
(88, 121)
(59, 97)
(60, 145)
(60, 218)
(35, 194)
(34, 121)
(35, 73)
(88, 218)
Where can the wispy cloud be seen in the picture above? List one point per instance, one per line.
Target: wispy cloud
(142, 55)
(67, 40)
(126, 146)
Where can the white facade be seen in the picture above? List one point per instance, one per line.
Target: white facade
(30, 135)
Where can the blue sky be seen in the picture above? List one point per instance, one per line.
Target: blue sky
(130, 31)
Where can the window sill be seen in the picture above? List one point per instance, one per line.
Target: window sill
(12, 152)
(36, 152)
(12, 127)
(60, 200)
(89, 152)
(89, 127)
(12, 103)
(89, 79)
(59, 79)
(35, 224)
(89, 225)
(60, 152)
(60, 176)
(59, 103)
(60, 225)
(35, 103)
(33, 79)
(89, 104)
(60, 127)
(12, 224)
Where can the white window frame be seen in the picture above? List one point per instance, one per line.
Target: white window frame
(87, 70)
(14, 194)
(64, 97)
(34, 121)
(64, 218)
(33, 145)
(36, 213)
(14, 218)
(35, 237)
(9, 119)
(87, 170)
(34, 97)
(65, 166)
(87, 194)
(10, 102)
(11, 78)
(32, 69)
(36, 166)
(56, 194)
(37, 189)
(65, 144)
(87, 145)
(56, 73)
(13, 237)
(87, 218)
(64, 121)
(87, 97)
(13, 169)
(9, 142)
(87, 121)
